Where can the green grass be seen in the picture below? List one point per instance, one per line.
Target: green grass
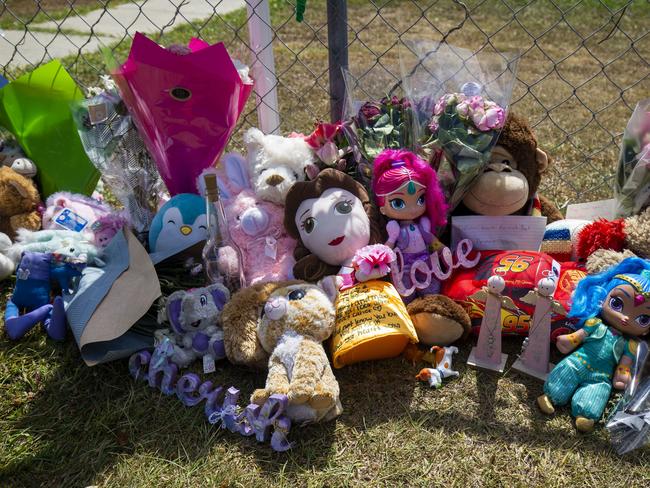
(17, 14)
(63, 424)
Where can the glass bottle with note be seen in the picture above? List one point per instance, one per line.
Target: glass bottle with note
(222, 258)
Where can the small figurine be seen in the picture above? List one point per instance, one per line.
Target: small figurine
(611, 307)
(408, 193)
(487, 353)
(442, 367)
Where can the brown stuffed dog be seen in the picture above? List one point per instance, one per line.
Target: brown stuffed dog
(19, 201)
(282, 325)
(508, 186)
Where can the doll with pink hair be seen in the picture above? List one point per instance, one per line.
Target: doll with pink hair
(408, 193)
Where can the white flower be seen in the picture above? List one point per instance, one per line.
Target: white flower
(108, 82)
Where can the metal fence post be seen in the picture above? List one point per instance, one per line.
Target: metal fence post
(337, 39)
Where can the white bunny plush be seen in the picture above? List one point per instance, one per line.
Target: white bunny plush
(256, 226)
(277, 163)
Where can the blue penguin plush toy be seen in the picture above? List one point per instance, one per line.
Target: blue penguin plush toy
(179, 224)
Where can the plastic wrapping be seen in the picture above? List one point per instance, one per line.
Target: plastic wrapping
(459, 100)
(116, 149)
(632, 187)
(35, 108)
(185, 102)
(375, 118)
(629, 423)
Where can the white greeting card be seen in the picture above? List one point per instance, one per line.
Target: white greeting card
(510, 232)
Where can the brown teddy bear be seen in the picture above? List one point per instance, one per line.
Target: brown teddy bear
(508, 186)
(282, 325)
(19, 201)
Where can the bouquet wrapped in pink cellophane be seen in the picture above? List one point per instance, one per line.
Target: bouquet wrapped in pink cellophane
(185, 102)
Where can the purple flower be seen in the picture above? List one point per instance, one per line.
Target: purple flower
(370, 111)
(440, 106)
(487, 117)
(467, 107)
(464, 109)
(476, 102)
(328, 153)
(433, 125)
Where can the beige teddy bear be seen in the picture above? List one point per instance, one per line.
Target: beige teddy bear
(283, 325)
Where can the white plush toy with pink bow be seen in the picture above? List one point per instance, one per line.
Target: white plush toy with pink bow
(255, 225)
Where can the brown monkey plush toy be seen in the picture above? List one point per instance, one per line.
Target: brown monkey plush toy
(508, 186)
(509, 183)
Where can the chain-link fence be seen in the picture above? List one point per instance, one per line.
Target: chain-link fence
(583, 64)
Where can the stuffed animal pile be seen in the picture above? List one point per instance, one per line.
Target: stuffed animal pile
(342, 249)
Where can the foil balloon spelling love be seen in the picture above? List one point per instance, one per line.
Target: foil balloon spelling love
(185, 102)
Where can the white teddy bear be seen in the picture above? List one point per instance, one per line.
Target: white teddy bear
(276, 163)
(9, 258)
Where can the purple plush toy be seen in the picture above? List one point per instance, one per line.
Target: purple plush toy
(193, 317)
(30, 302)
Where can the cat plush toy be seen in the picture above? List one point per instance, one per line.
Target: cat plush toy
(281, 325)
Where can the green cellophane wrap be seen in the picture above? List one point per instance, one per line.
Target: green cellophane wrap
(35, 108)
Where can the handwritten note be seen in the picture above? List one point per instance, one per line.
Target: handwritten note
(505, 233)
(601, 209)
(371, 323)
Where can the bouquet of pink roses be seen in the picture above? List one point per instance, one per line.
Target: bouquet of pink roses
(459, 100)
(464, 127)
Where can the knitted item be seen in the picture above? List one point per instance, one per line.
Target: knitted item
(561, 237)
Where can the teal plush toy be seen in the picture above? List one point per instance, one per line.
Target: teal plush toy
(613, 309)
(179, 224)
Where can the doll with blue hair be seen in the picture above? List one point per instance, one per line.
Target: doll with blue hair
(613, 309)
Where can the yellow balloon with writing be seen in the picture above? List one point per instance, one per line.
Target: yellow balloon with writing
(371, 323)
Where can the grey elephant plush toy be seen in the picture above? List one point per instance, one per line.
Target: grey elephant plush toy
(194, 323)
